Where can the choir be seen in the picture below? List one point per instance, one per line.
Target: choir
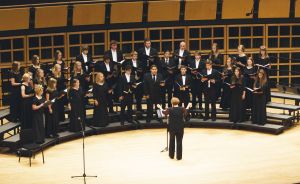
(242, 83)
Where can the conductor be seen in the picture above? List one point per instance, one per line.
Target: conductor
(176, 126)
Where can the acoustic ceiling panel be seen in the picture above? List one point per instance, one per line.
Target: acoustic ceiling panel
(89, 14)
(14, 19)
(200, 10)
(126, 12)
(274, 8)
(51, 16)
(163, 11)
(236, 9)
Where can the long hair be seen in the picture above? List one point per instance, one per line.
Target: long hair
(15, 67)
(260, 81)
(263, 48)
(55, 72)
(97, 78)
(51, 83)
(77, 63)
(35, 60)
(212, 53)
(40, 80)
(57, 52)
(237, 79)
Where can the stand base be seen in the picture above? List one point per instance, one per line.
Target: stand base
(84, 176)
(164, 150)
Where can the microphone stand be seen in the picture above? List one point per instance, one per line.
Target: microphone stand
(167, 147)
(84, 176)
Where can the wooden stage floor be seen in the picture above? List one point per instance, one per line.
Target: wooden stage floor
(209, 156)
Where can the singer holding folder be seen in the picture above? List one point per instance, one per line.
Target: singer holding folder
(176, 126)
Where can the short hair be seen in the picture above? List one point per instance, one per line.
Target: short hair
(113, 42)
(175, 101)
(15, 66)
(97, 78)
(147, 40)
(208, 62)
(26, 76)
(128, 67)
(84, 47)
(167, 51)
(183, 66)
(152, 66)
(74, 82)
(134, 53)
(198, 53)
(38, 88)
(106, 57)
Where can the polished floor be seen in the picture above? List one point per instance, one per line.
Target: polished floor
(209, 156)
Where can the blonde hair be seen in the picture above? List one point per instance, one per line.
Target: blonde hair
(133, 53)
(75, 68)
(55, 72)
(175, 101)
(97, 78)
(38, 89)
(26, 76)
(51, 83)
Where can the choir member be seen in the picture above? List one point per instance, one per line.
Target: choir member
(27, 94)
(59, 60)
(51, 112)
(249, 77)
(38, 118)
(209, 78)
(238, 94)
(260, 87)
(126, 85)
(107, 68)
(78, 73)
(35, 65)
(216, 57)
(176, 117)
(241, 59)
(167, 70)
(15, 78)
(100, 94)
(264, 62)
(76, 106)
(61, 86)
(137, 71)
(183, 85)
(115, 54)
(147, 55)
(196, 66)
(182, 56)
(39, 78)
(226, 77)
(86, 59)
(152, 84)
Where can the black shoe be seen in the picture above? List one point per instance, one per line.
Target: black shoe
(122, 123)
(205, 119)
(171, 157)
(213, 119)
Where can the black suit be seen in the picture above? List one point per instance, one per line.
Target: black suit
(210, 93)
(126, 90)
(86, 66)
(119, 55)
(153, 90)
(146, 61)
(186, 55)
(168, 75)
(183, 95)
(197, 85)
(111, 80)
(138, 73)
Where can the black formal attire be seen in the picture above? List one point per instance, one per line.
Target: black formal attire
(86, 63)
(77, 110)
(237, 112)
(217, 61)
(183, 81)
(138, 72)
(259, 114)
(15, 97)
(33, 70)
(152, 89)
(100, 93)
(249, 75)
(226, 92)
(148, 59)
(52, 120)
(196, 68)
(26, 110)
(119, 55)
(183, 59)
(176, 130)
(210, 92)
(242, 59)
(265, 62)
(167, 69)
(126, 90)
(38, 120)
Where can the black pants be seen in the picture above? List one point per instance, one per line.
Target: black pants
(126, 102)
(138, 97)
(184, 97)
(178, 136)
(210, 99)
(168, 89)
(150, 108)
(197, 93)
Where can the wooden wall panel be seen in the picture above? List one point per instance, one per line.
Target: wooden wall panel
(89, 14)
(200, 10)
(297, 9)
(54, 16)
(274, 9)
(13, 19)
(126, 12)
(233, 9)
(163, 11)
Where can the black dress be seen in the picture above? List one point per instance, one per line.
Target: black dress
(264, 62)
(26, 112)
(259, 114)
(242, 59)
(15, 97)
(77, 108)
(236, 113)
(248, 82)
(52, 121)
(226, 92)
(100, 93)
(32, 70)
(38, 120)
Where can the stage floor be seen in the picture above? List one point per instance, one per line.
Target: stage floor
(209, 156)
